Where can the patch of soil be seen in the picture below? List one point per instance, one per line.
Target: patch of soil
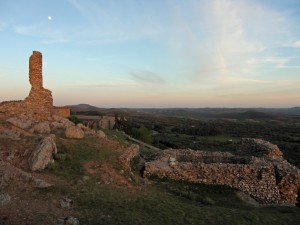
(107, 173)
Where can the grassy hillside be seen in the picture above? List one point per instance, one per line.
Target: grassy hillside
(105, 194)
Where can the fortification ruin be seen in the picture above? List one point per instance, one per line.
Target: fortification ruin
(259, 170)
(39, 103)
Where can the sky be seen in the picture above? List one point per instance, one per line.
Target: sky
(158, 53)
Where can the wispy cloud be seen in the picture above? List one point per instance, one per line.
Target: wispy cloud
(237, 36)
(296, 44)
(104, 85)
(106, 23)
(146, 77)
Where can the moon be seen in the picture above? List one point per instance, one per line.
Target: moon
(49, 17)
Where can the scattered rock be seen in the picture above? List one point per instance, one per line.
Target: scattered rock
(25, 124)
(101, 134)
(17, 172)
(4, 198)
(128, 155)
(74, 132)
(68, 221)
(42, 128)
(66, 203)
(11, 134)
(63, 121)
(41, 183)
(42, 156)
(4, 180)
(55, 125)
(172, 161)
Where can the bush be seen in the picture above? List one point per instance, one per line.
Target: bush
(75, 119)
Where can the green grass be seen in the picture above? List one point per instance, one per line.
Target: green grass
(223, 138)
(162, 202)
(159, 204)
(76, 152)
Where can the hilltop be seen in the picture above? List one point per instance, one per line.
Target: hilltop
(56, 170)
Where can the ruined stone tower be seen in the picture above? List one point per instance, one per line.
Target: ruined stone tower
(39, 102)
(36, 70)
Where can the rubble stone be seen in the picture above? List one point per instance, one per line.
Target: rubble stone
(74, 132)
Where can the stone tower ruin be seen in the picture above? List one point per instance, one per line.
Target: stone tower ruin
(39, 103)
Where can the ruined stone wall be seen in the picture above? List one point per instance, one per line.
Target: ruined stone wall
(107, 122)
(271, 180)
(126, 158)
(61, 111)
(10, 108)
(259, 148)
(38, 105)
(188, 155)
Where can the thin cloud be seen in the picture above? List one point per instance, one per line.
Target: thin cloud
(236, 36)
(104, 85)
(24, 30)
(147, 77)
(296, 44)
(106, 24)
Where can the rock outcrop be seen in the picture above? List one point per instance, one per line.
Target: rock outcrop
(265, 176)
(74, 132)
(42, 155)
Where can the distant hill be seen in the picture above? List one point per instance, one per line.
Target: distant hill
(249, 115)
(83, 107)
(238, 113)
(234, 113)
(86, 109)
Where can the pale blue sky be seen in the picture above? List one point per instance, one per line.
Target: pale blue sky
(155, 53)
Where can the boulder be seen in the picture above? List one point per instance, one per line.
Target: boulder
(11, 134)
(55, 125)
(74, 132)
(101, 134)
(4, 198)
(42, 155)
(25, 124)
(87, 130)
(67, 123)
(70, 220)
(63, 121)
(42, 128)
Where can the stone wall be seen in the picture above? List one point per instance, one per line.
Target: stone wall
(268, 178)
(39, 103)
(61, 111)
(126, 158)
(107, 122)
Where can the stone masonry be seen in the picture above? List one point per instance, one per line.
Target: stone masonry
(259, 171)
(39, 104)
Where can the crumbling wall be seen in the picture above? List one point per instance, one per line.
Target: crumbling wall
(107, 122)
(61, 111)
(268, 178)
(126, 158)
(39, 103)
